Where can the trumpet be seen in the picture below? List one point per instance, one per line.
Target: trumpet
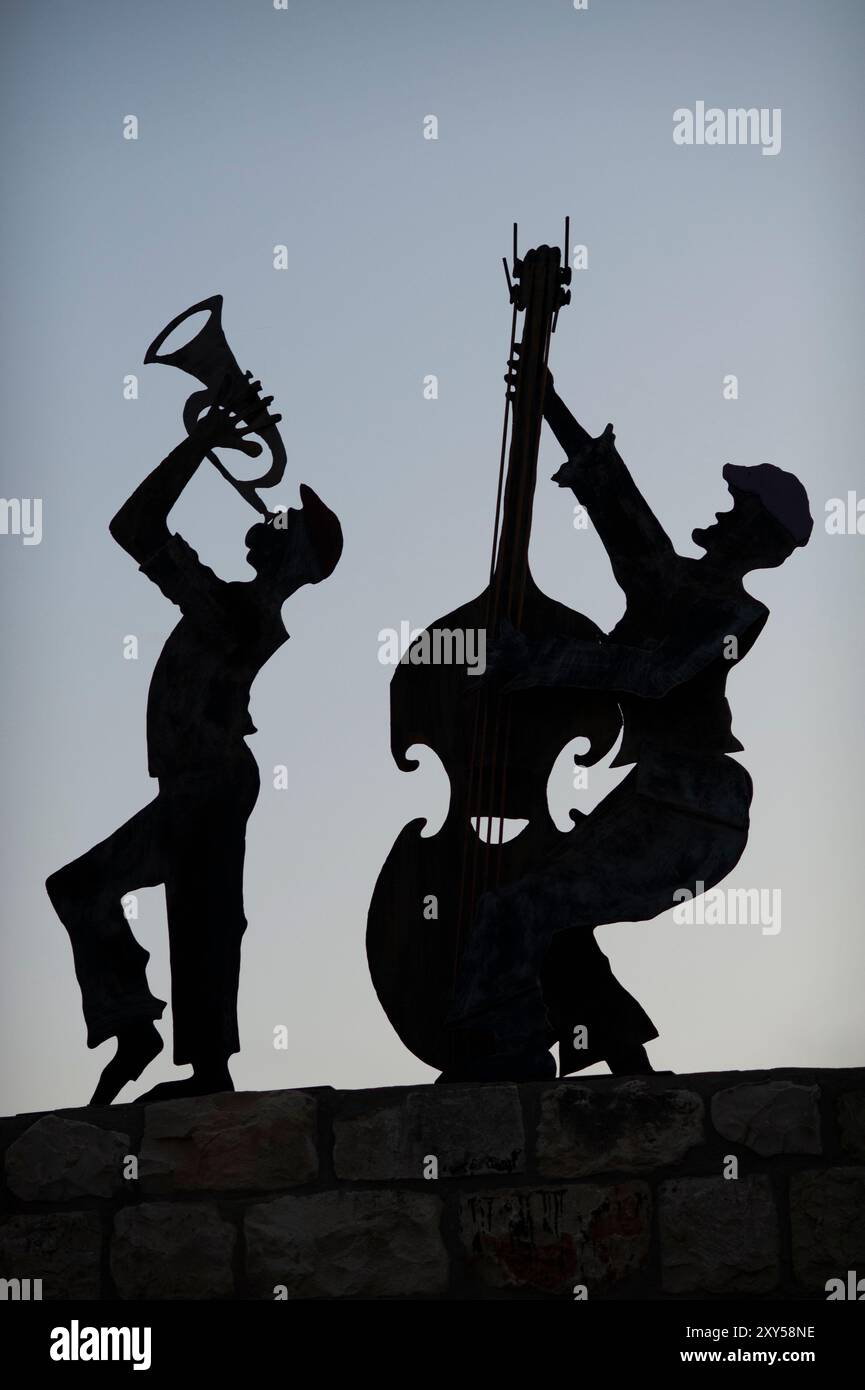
(209, 359)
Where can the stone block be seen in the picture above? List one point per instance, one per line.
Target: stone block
(57, 1160)
(771, 1117)
(629, 1128)
(470, 1131)
(851, 1122)
(346, 1245)
(233, 1142)
(63, 1249)
(550, 1239)
(827, 1219)
(172, 1250)
(718, 1236)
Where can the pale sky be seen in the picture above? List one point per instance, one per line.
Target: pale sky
(304, 127)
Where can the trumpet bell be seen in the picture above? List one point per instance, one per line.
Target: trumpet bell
(208, 357)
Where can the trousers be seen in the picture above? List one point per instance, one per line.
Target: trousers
(191, 838)
(666, 826)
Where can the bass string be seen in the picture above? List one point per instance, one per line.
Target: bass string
(482, 767)
(471, 838)
(516, 601)
(518, 615)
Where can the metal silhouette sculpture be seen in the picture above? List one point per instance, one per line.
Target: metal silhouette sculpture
(191, 837)
(487, 1000)
(497, 748)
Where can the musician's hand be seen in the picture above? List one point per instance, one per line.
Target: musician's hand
(508, 654)
(505, 655)
(222, 427)
(568, 475)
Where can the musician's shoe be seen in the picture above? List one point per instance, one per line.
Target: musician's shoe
(204, 1081)
(630, 1061)
(137, 1046)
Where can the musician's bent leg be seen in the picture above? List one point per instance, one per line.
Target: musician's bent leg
(111, 966)
(109, 963)
(622, 864)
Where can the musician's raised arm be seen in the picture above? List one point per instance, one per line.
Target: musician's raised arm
(631, 533)
(140, 526)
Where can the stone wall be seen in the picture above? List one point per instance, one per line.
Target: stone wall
(456, 1192)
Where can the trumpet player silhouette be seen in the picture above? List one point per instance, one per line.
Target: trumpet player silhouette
(679, 820)
(191, 837)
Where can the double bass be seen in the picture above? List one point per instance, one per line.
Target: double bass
(498, 747)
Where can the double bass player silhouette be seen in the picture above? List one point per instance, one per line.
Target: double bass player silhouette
(191, 837)
(497, 751)
(480, 936)
(680, 818)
